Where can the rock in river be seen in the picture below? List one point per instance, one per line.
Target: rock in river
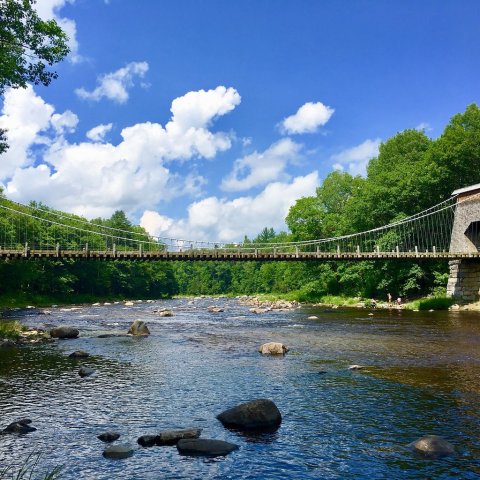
(260, 415)
(20, 427)
(205, 447)
(118, 452)
(432, 446)
(147, 440)
(172, 437)
(79, 354)
(108, 437)
(139, 328)
(86, 371)
(64, 332)
(273, 348)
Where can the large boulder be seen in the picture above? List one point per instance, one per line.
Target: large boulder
(273, 348)
(64, 332)
(260, 415)
(172, 437)
(139, 328)
(432, 446)
(205, 447)
(118, 452)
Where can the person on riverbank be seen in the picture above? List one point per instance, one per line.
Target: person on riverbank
(399, 302)
(389, 297)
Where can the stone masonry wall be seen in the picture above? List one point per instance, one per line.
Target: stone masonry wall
(464, 281)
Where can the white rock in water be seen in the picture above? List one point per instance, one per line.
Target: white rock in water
(313, 317)
(273, 348)
(355, 367)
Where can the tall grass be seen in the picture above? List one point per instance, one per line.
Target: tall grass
(28, 470)
(10, 329)
(433, 303)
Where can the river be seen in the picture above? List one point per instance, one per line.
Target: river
(422, 376)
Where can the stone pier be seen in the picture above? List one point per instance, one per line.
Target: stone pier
(464, 280)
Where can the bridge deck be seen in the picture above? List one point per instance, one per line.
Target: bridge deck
(213, 255)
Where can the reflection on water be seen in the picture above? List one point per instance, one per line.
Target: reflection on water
(421, 376)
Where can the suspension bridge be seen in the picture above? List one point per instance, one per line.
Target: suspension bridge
(35, 231)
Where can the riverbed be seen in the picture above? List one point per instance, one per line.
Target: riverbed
(421, 376)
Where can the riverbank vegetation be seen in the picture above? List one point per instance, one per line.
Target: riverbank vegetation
(411, 173)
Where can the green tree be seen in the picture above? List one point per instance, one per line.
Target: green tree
(29, 46)
(457, 152)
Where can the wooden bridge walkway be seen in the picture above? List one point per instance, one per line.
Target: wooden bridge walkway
(213, 255)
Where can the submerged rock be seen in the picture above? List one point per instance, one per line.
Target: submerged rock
(432, 446)
(108, 437)
(64, 332)
(273, 348)
(205, 447)
(165, 313)
(79, 354)
(172, 437)
(20, 427)
(139, 328)
(86, 371)
(261, 414)
(118, 452)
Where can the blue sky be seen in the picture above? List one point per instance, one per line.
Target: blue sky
(208, 119)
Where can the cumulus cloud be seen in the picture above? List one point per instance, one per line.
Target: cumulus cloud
(49, 9)
(25, 116)
(97, 134)
(260, 168)
(308, 119)
(94, 178)
(115, 85)
(424, 126)
(219, 219)
(355, 159)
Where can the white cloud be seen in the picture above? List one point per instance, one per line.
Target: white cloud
(25, 116)
(49, 9)
(355, 159)
(65, 122)
(115, 85)
(154, 223)
(95, 178)
(426, 127)
(308, 119)
(260, 168)
(97, 134)
(219, 219)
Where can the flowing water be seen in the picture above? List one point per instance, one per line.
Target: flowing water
(422, 376)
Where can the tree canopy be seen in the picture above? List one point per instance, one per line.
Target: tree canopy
(29, 46)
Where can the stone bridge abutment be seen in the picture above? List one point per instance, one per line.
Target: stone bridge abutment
(464, 280)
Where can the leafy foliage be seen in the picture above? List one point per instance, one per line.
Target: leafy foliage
(28, 45)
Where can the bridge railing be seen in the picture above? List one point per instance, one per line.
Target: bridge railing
(36, 227)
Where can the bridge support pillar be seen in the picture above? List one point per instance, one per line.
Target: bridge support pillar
(464, 281)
